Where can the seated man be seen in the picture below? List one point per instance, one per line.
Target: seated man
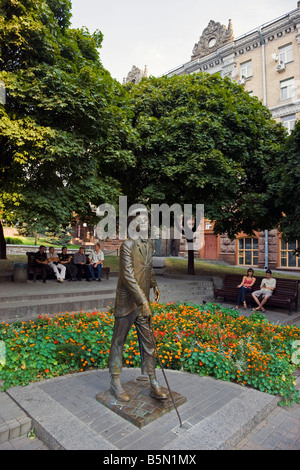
(66, 260)
(96, 258)
(79, 261)
(267, 286)
(53, 262)
(40, 259)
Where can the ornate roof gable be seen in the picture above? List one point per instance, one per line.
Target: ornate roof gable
(135, 75)
(213, 36)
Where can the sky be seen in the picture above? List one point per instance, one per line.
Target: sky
(162, 33)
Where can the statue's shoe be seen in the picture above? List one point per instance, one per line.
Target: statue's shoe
(118, 392)
(157, 392)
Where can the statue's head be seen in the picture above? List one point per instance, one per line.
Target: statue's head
(138, 224)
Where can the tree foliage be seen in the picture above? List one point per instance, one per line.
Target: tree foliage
(203, 139)
(65, 129)
(285, 187)
(72, 137)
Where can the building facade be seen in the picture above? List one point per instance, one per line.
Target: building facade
(266, 62)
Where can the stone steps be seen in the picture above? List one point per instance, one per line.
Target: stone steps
(26, 303)
(13, 421)
(24, 310)
(16, 297)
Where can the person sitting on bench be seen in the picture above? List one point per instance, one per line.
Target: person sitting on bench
(40, 259)
(96, 258)
(245, 286)
(79, 261)
(58, 268)
(267, 287)
(66, 260)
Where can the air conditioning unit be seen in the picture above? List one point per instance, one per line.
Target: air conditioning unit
(280, 67)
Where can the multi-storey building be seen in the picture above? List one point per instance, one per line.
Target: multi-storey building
(266, 61)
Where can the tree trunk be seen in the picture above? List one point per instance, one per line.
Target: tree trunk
(2, 243)
(191, 264)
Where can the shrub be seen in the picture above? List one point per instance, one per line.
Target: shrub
(207, 340)
(13, 241)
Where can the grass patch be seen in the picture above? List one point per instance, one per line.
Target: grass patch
(20, 240)
(179, 266)
(202, 268)
(206, 340)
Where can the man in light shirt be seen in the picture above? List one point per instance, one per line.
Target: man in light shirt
(58, 268)
(267, 286)
(96, 258)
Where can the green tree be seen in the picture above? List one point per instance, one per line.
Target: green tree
(64, 130)
(285, 187)
(203, 139)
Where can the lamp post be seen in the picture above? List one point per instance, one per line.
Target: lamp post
(84, 232)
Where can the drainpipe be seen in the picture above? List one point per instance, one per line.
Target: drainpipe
(266, 249)
(262, 43)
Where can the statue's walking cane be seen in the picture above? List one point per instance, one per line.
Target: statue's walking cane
(162, 369)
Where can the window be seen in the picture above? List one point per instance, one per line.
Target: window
(246, 69)
(212, 42)
(289, 122)
(285, 54)
(287, 89)
(287, 258)
(248, 251)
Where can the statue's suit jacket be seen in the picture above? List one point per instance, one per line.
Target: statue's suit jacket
(136, 276)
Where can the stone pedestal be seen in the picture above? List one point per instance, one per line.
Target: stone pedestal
(141, 409)
(159, 265)
(20, 272)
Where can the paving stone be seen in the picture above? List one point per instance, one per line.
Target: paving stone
(64, 427)
(4, 433)
(6, 445)
(141, 409)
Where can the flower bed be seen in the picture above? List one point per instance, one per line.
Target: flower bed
(208, 340)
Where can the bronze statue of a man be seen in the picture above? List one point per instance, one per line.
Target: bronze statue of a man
(136, 278)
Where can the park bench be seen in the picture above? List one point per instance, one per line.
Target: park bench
(34, 270)
(285, 295)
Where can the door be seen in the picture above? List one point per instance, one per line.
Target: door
(211, 246)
